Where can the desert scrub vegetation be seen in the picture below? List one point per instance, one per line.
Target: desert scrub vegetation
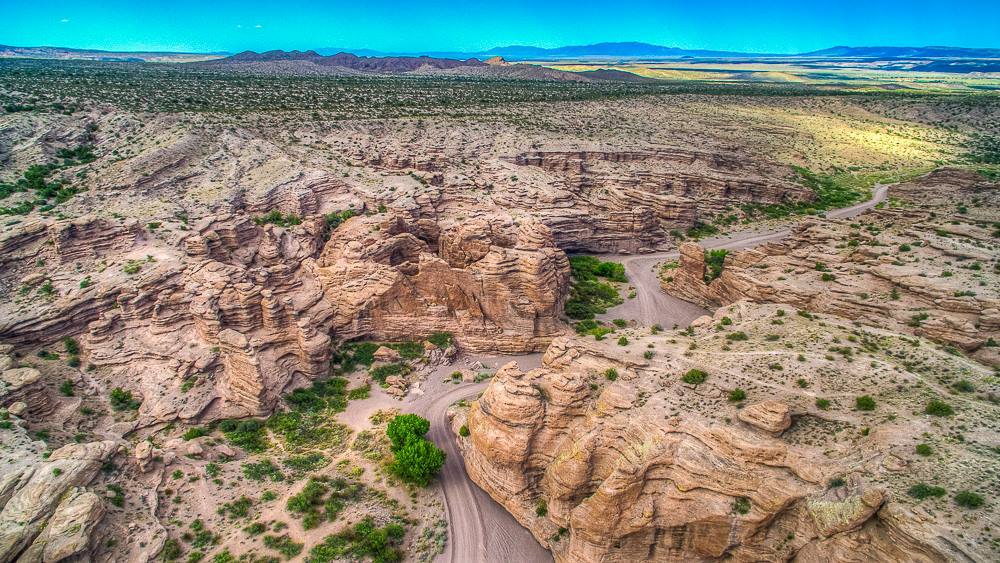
(275, 217)
(415, 459)
(589, 295)
(122, 400)
(362, 541)
(47, 194)
(714, 260)
(322, 499)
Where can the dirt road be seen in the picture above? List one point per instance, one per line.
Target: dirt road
(480, 530)
(652, 306)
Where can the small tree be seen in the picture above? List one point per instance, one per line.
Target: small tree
(417, 462)
(406, 428)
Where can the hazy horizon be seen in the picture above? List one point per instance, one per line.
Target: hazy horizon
(782, 26)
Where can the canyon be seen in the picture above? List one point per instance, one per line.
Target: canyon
(204, 315)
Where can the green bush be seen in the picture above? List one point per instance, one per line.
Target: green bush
(463, 431)
(440, 339)
(171, 550)
(275, 217)
(924, 450)
(194, 432)
(66, 388)
(247, 434)
(611, 374)
(923, 491)
(541, 508)
(737, 395)
(122, 400)
(283, 545)
(714, 260)
(694, 377)
(382, 372)
(416, 459)
(364, 540)
(938, 408)
(741, 505)
(822, 404)
(737, 336)
(968, 499)
(264, 469)
(865, 403)
(622, 341)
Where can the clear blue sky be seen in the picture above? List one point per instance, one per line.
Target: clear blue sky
(756, 26)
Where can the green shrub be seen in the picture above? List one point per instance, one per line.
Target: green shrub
(968, 499)
(306, 463)
(737, 395)
(122, 400)
(264, 469)
(622, 341)
(440, 339)
(822, 404)
(694, 377)
(171, 550)
(611, 374)
(359, 393)
(380, 373)
(924, 450)
(741, 505)
(66, 388)
(541, 508)
(737, 336)
(865, 403)
(283, 545)
(364, 540)
(714, 260)
(275, 217)
(938, 408)
(404, 429)
(247, 434)
(463, 431)
(194, 432)
(923, 491)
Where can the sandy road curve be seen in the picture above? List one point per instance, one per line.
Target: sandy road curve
(652, 306)
(480, 530)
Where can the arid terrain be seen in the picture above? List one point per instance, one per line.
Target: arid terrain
(220, 286)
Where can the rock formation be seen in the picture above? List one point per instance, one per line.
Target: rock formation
(45, 514)
(919, 267)
(642, 466)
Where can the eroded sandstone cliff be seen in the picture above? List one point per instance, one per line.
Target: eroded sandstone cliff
(606, 454)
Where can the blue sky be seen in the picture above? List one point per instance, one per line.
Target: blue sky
(756, 26)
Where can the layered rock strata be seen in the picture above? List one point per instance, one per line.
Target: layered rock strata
(639, 466)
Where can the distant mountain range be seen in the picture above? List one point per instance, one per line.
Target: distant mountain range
(637, 50)
(599, 51)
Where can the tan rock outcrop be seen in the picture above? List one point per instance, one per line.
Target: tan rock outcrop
(772, 417)
(642, 467)
(937, 286)
(39, 501)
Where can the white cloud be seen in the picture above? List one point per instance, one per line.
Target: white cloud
(239, 26)
(258, 26)
(64, 20)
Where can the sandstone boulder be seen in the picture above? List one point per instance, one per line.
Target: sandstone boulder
(773, 417)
